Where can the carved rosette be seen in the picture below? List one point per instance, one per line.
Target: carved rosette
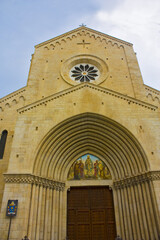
(84, 68)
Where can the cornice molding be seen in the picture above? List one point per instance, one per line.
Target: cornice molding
(33, 179)
(134, 180)
(152, 90)
(11, 95)
(83, 28)
(46, 100)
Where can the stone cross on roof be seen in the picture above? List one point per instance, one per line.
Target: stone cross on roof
(82, 25)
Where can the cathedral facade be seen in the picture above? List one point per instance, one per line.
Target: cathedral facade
(80, 144)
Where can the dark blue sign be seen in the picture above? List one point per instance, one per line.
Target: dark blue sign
(12, 208)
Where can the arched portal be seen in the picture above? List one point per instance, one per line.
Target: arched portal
(134, 200)
(90, 132)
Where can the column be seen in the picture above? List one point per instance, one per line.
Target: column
(32, 221)
(39, 213)
(127, 215)
(145, 199)
(117, 212)
(151, 212)
(60, 214)
(41, 231)
(120, 210)
(56, 232)
(46, 214)
(49, 215)
(146, 232)
(140, 222)
(123, 202)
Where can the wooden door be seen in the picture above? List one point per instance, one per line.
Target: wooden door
(90, 214)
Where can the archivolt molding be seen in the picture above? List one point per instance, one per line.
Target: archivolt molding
(33, 179)
(90, 133)
(134, 180)
(44, 101)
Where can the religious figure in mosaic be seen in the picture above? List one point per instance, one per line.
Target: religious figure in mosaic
(81, 169)
(96, 169)
(88, 167)
(76, 170)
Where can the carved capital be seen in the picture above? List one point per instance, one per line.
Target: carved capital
(134, 180)
(32, 179)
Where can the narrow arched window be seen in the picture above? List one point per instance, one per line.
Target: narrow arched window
(3, 142)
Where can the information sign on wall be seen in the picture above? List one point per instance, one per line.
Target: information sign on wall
(12, 208)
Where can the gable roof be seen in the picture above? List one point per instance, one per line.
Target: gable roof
(88, 30)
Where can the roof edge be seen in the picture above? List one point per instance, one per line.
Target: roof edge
(85, 28)
(62, 93)
(12, 94)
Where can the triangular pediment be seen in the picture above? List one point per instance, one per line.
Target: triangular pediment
(93, 88)
(83, 31)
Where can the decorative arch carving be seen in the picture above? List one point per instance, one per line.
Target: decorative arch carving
(149, 96)
(21, 98)
(123, 155)
(52, 46)
(156, 99)
(14, 102)
(7, 105)
(46, 48)
(108, 40)
(93, 133)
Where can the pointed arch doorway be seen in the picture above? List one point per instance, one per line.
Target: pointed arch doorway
(136, 209)
(90, 213)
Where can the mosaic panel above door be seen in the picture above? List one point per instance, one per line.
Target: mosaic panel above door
(89, 167)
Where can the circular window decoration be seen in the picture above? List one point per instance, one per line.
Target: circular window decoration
(84, 72)
(84, 68)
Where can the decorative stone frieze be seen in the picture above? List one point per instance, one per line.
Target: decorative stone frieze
(11, 100)
(82, 31)
(134, 180)
(33, 179)
(46, 100)
(152, 90)
(155, 175)
(153, 98)
(13, 95)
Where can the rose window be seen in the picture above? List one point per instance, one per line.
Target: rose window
(84, 73)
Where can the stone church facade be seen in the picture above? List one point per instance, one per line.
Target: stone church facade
(80, 144)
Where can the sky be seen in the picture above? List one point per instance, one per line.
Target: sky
(25, 23)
